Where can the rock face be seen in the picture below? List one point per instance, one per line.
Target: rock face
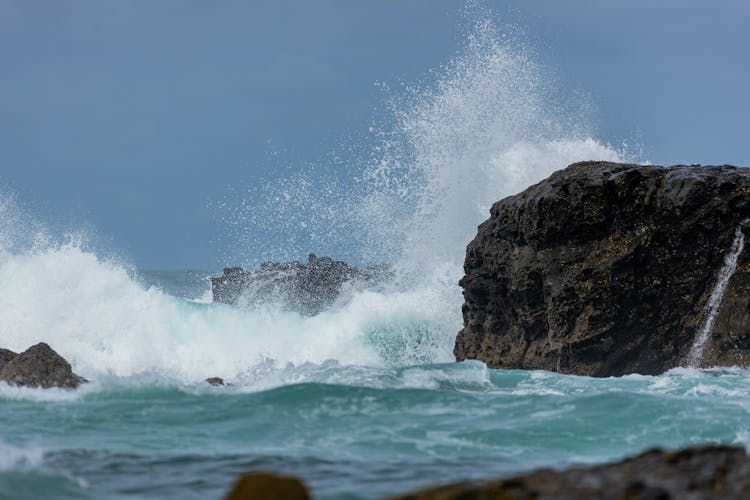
(39, 366)
(695, 473)
(6, 356)
(308, 288)
(605, 269)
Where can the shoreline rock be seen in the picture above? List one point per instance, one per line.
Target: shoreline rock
(605, 269)
(696, 473)
(38, 366)
(699, 472)
(308, 288)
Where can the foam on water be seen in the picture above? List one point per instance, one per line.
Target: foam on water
(485, 126)
(105, 322)
(19, 457)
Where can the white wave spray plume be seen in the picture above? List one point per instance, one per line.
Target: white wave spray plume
(485, 127)
(488, 127)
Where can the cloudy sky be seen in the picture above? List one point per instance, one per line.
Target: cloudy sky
(130, 118)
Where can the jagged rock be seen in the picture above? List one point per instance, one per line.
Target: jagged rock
(40, 366)
(605, 269)
(215, 381)
(695, 473)
(308, 288)
(263, 486)
(6, 356)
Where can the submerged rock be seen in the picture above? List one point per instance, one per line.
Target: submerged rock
(40, 366)
(308, 288)
(263, 486)
(696, 473)
(605, 269)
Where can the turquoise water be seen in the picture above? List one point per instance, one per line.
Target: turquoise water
(351, 432)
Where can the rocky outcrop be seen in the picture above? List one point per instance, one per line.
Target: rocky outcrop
(605, 269)
(695, 473)
(308, 288)
(39, 366)
(265, 486)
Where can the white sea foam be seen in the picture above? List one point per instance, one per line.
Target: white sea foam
(485, 127)
(19, 457)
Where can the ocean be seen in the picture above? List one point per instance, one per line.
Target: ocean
(365, 399)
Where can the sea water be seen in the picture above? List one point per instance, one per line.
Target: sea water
(363, 400)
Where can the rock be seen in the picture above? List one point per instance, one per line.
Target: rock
(306, 288)
(695, 473)
(263, 486)
(215, 381)
(6, 356)
(40, 366)
(605, 269)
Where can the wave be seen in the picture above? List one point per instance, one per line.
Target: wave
(484, 127)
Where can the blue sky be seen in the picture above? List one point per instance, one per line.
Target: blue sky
(128, 118)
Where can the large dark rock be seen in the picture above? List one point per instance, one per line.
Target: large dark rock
(605, 269)
(308, 288)
(694, 473)
(40, 366)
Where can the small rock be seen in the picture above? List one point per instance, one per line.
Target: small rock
(215, 381)
(40, 366)
(263, 485)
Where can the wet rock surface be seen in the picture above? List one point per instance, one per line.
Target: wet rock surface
(308, 288)
(266, 486)
(39, 366)
(605, 269)
(694, 473)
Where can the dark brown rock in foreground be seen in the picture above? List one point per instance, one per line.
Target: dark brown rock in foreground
(605, 269)
(266, 486)
(40, 366)
(720, 472)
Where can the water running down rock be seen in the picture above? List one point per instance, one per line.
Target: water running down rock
(717, 297)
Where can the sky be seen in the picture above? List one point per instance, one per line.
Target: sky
(131, 118)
